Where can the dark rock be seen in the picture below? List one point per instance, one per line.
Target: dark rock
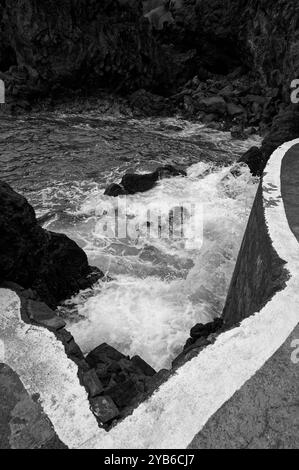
(40, 313)
(145, 368)
(146, 103)
(103, 354)
(163, 126)
(92, 383)
(72, 349)
(234, 110)
(104, 409)
(78, 43)
(168, 171)
(123, 393)
(285, 127)
(214, 104)
(114, 190)
(253, 158)
(49, 263)
(203, 331)
(132, 183)
(190, 352)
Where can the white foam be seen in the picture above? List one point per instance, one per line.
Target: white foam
(162, 288)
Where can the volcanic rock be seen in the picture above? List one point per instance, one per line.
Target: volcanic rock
(49, 263)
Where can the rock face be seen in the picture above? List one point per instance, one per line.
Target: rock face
(125, 382)
(49, 263)
(71, 43)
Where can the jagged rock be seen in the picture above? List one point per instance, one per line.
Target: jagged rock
(145, 368)
(132, 183)
(214, 104)
(146, 103)
(103, 354)
(92, 383)
(114, 190)
(104, 409)
(285, 127)
(41, 314)
(49, 263)
(72, 349)
(123, 393)
(234, 110)
(253, 158)
(203, 331)
(80, 41)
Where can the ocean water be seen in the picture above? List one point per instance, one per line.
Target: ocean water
(165, 279)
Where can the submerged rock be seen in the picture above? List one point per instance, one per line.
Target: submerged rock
(50, 263)
(132, 183)
(114, 190)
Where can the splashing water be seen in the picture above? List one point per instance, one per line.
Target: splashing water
(161, 287)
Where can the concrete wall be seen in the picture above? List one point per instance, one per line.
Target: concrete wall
(259, 272)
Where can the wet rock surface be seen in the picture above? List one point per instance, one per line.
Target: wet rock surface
(132, 183)
(49, 263)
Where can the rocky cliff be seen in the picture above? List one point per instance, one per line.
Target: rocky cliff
(245, 53)
(49, 263)
(78, 44)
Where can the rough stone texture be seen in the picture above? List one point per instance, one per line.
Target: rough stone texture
(132, 183)
(66, 43)
(263, 414)
(253, 158)
(285, 127)
(49, 263)
(259, 272)
(22, 421)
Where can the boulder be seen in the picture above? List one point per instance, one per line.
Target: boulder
(234, 110)
(214, 104)
(132, 183)
(285, 127)
(253, 158)
(103, 354)
(41, 314)
(145, 103)
(104, 409)
(53, 265)
(92, 383)
(145, 368)
(203, 331)
(114, 190)
(123, 393)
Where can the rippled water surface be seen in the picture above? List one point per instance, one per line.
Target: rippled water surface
(161, 287)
